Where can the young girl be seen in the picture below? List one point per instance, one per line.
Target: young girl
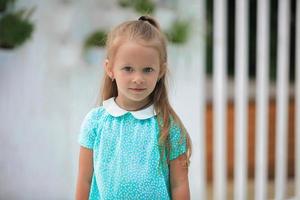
(134, 146)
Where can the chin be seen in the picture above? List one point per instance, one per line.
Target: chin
(138, 99)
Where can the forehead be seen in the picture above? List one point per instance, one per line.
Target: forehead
(135, 53)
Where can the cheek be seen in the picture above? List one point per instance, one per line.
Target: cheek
(153, 80)
(122, 79)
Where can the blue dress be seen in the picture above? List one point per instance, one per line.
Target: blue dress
(126, 156)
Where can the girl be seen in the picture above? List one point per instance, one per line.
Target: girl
(134, 146)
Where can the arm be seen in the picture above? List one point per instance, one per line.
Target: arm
(179, 179)
(85, 173)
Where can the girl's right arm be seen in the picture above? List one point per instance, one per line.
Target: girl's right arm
(85, 173)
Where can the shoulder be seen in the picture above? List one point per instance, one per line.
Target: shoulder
(95, 112)
(94, 115)
(177, 132)
(89, 127)
(174, 126)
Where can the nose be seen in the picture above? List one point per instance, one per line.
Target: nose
(138, 79)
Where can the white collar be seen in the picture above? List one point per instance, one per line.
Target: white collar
(115, 110)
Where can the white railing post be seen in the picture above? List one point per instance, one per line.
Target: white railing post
(282, 97)
(262, 98)
(241, 100)
(219, 100)
(297, 103)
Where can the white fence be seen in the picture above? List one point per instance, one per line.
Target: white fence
(262, 99)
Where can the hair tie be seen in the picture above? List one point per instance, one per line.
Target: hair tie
(149, 20)
(143, 18)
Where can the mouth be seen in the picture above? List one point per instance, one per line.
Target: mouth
(137, 89)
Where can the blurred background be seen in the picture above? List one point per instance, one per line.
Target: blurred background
(51, 67)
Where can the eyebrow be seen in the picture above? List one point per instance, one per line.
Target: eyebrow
(145, 66)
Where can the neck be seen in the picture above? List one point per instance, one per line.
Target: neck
(132, 106)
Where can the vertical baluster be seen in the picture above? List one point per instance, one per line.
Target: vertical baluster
(282, 97)
(219, 99)
(297, 106)
(241, 99)
(262, 95)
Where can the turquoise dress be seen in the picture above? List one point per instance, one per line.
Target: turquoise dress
(126, 156)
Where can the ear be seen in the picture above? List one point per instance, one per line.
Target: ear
(108, 69)
(162, 70)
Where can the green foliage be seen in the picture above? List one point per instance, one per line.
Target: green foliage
(15, 27)
(144, 6)
(141, 6)
(178, 32)
(96, 39)
(4, 4)
(14, 30)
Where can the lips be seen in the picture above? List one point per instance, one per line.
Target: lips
(137, 89)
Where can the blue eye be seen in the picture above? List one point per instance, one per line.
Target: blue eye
(128, 69)
(148, 69)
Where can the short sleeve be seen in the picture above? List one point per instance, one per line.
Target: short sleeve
(177, 142)
(88, 129)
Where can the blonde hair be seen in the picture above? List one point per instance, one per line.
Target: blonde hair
(147, 31)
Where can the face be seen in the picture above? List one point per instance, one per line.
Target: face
(136, 69)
